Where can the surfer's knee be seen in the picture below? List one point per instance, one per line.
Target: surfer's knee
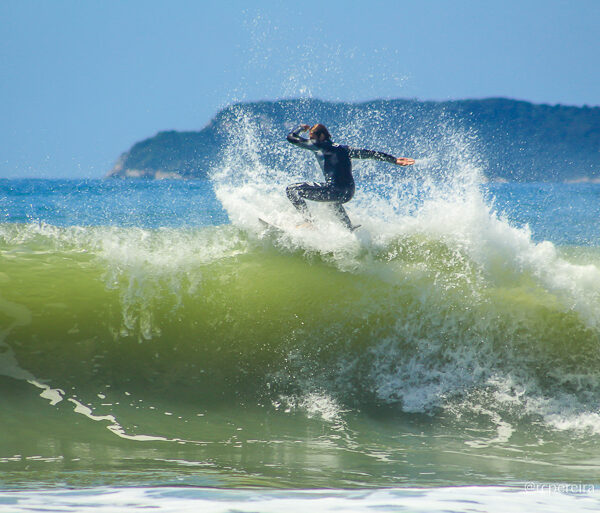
(292, 192)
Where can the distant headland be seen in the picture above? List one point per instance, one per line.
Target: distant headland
(514, 140)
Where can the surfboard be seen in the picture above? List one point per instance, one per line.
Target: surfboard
(310, 226)
(270, 226)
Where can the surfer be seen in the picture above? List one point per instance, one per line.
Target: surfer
(334, 160)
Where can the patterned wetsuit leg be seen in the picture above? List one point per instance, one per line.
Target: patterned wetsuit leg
(298, 192)
(340, 211)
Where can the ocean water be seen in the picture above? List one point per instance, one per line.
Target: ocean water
(159, 348)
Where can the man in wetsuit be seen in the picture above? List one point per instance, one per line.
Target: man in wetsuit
(334, 160)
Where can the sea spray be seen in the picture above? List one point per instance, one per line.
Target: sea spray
(432, 357)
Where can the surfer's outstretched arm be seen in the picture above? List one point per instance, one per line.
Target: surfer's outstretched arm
(294, 138)
(357, 153)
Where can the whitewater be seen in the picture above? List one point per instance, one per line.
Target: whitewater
(159, 347)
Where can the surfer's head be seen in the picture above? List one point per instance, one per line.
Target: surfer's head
(319, 133)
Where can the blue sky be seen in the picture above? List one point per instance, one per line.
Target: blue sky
(84, 80)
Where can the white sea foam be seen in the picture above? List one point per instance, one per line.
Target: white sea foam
(549, 497)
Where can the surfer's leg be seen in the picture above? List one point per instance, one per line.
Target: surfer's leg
(322, 192)
(298, 192)
(295, 193)
(340, 211)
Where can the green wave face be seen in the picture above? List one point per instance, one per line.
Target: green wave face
(234, 357)
(413, 321)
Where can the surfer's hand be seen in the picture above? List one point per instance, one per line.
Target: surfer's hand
(305, 127)
(403, 161)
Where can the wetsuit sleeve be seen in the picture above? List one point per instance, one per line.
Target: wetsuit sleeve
(294, 138)
(356, 153)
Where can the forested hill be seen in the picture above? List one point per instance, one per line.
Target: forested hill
(511, 140)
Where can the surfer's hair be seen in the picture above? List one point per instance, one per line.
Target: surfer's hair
(320, 129)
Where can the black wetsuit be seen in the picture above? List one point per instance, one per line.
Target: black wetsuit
(334, 160)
